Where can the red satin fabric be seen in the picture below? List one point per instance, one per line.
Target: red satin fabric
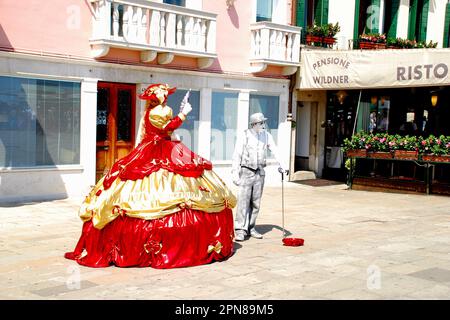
(178, 240)
(184, 237)
(157, 151)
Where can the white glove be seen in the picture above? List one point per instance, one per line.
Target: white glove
(185, 108)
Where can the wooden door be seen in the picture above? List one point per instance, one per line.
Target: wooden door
(115, 124)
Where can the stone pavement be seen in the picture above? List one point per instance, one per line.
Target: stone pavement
(358, 245)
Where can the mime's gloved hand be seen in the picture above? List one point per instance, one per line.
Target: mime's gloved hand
(185, 108)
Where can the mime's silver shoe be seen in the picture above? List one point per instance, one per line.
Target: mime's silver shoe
(239, 236)
(255, 234)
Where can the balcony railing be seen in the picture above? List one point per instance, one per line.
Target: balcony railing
(157, 30)
(275, 44)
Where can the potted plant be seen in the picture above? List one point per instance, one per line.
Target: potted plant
(435, 149)
(372, 41)
(379, 146)
(405, 147)
(322, 35)
(356, 145)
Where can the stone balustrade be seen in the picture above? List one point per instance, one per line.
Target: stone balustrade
(275, 44)
(157, 30)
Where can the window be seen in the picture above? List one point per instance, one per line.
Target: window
(181, 3)
(39, 122)
(269, 106)
(264, 10)
(188, 132)
(224, 115)
(310, 12)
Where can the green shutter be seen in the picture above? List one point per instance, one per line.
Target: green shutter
(423, 20)
(412, 19)
(321, 12)
(301, 14)
(356, 21)
(446, 27)
(325, 6)
(391, 30)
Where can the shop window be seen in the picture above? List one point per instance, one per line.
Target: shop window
(188, 132)
(418, 18)
(269, 106)
(39, 122)
(224, 115)
(373, 114)
(181, 3)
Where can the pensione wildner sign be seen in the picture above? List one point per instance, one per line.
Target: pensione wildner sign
(353, 69)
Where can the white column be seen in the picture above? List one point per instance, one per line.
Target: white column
(88, 130)
(211, 37)
(171, 25)
(154, 27)
(243, 110)
(266, 42)
(204, 128)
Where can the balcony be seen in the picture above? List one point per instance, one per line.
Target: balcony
(159, 31)
(276, 45)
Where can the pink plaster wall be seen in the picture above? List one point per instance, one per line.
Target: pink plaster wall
(61, 27)
(64, 27)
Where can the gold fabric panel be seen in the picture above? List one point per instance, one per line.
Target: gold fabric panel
(160, 116)
(157, 195)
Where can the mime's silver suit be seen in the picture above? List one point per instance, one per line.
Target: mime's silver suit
(249, 160)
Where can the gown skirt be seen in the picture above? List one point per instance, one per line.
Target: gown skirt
(161, 206)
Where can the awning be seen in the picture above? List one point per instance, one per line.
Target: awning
(357, 69)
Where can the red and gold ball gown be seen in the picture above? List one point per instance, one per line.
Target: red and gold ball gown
(160, 206)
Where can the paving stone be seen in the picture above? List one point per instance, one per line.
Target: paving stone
(348, 236)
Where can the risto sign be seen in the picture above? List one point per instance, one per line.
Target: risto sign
(354, 69)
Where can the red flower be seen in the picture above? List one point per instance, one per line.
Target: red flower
(99, 191)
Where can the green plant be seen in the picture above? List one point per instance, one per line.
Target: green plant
(373, 37)
(325, 30)
(435, 145)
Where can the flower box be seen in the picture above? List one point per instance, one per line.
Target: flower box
(379, 155)
(436, 158)
(329, 40)
(406, 154)
(357, 153)
(371, 45)
(310, 39)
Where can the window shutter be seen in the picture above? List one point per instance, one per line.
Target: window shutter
(301, 15)
(392, 29)
(446, 40)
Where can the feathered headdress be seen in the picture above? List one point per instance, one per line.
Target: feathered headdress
(157, 92)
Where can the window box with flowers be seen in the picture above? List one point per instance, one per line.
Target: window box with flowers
(372, 41)
(435, 149)
(400, 43)
(323, 35)
(356, 146)
(404, 147)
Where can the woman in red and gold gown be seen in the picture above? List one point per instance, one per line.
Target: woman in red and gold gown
(160, 206)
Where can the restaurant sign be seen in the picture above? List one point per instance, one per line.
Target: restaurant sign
(353, 69)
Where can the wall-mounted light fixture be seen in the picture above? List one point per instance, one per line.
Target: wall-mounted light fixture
(341, 95)
(374, 100)
(434, 99)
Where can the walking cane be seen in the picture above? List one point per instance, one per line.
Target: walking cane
(291, 242)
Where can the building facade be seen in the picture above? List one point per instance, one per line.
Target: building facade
(70, 73)
(343, 88)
